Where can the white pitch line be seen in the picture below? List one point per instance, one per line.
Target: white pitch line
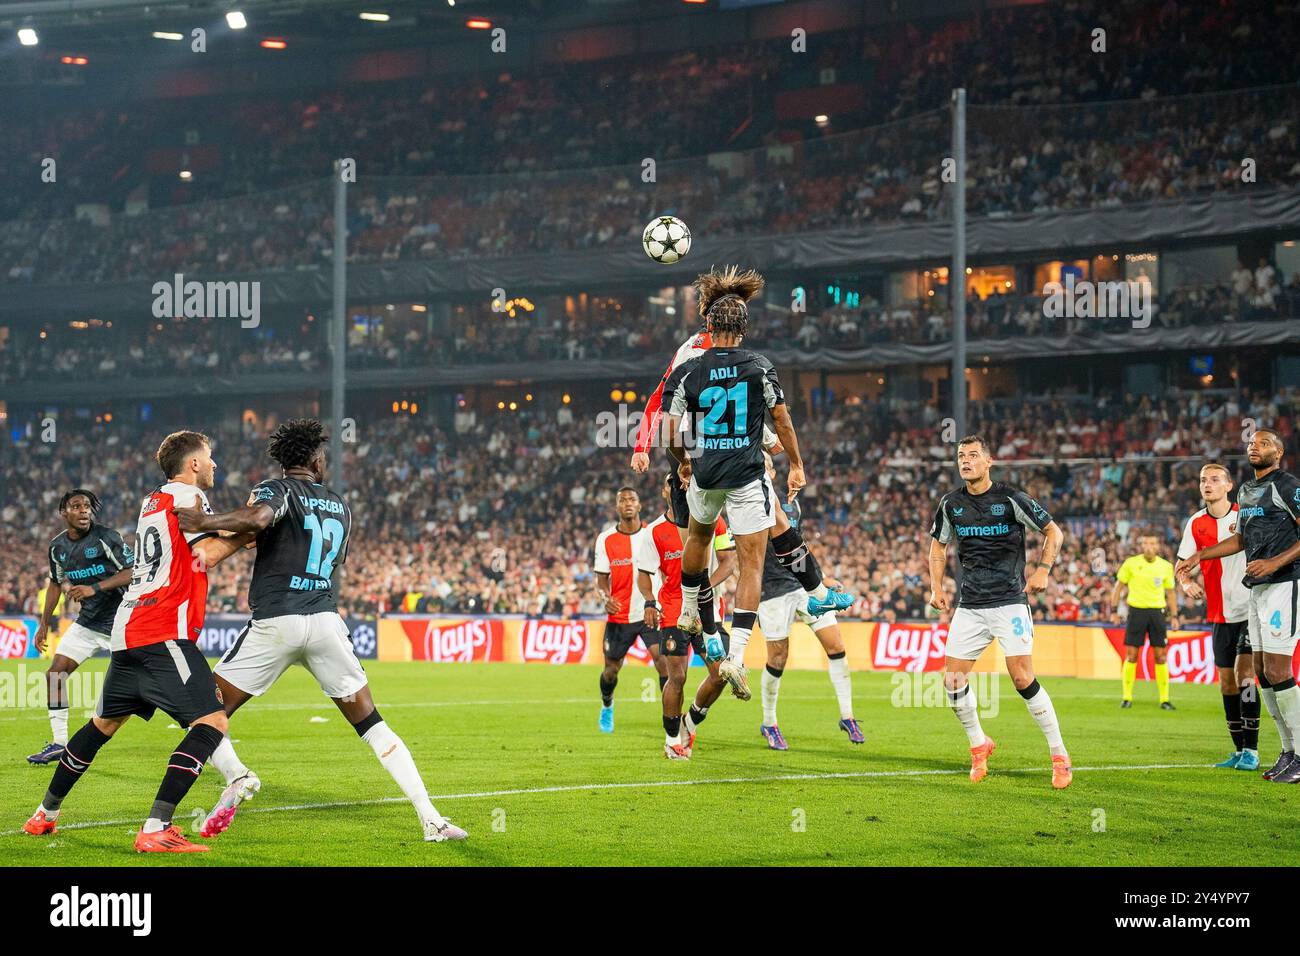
(570, 788)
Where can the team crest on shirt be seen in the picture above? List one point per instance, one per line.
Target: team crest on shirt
(997, 510)
(92, 552)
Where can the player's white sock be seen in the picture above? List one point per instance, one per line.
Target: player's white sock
(392, 753)
(1269, 696)
(59, 725)
(771, 687)
(742, 624)
(843, 684)
(819, 592)
(1041, 709)
(1288, 705)
(227, 761)
(154, 825)
(962, 701)
(49, 814)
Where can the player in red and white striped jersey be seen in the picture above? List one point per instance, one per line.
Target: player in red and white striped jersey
(659, 579)
(612, 563)
(1226, 607)
(155, 663)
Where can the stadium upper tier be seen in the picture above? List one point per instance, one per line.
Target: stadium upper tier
(500, 512)
(513, 116)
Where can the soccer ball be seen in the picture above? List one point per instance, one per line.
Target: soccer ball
(666, 239)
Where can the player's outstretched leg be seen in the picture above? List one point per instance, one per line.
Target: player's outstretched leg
(397, 760)
(74, 762)
(793, 555)
(706, 695)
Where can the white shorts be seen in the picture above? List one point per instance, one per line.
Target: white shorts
(777, 615)
(973, 628)
(319, 642)
(79, 643)
(750, 508)
(1271, 617)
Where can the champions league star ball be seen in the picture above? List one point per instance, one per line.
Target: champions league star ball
(666, 239)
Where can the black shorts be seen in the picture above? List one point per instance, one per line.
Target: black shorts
(1230, 642)
(619, 638)
(674, 642)
(172, 676)
(1146, 622)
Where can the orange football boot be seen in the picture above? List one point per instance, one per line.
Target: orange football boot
(168, 840)
(979, 760)
(1061, 773)
(38, 825)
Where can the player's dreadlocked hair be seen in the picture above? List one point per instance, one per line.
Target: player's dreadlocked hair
(294, 443)
(723, 296)
(90, 496)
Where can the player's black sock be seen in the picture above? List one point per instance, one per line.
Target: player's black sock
(793, 555)
(1249, 716)
(663, 680)
(183, 768)
(1232, 711)
(708, 621)
(81, 750)
(697, 715)
(673, 725)
(607, 690)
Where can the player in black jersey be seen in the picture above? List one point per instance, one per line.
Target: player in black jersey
(783, 602)
(724, 396)
(988, 520)
(302, 532)
(93, 563)
(1268, 529)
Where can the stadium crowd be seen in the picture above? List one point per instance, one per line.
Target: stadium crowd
(499, 514)
(515, 164)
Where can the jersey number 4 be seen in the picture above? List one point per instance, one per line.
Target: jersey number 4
(715, 398)
(330, 530)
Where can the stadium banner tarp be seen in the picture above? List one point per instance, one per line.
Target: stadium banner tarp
(1060, 650)
(220, 631)
(1216, 215)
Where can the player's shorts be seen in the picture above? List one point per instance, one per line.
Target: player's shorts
(1272, 617)
(171, 676)
(79, 643)
(750, 508)
(1144, 623)
(777, 615)
(674, 642)
(266, 648)
(619, 638)
(973, 628)
(1230, 641)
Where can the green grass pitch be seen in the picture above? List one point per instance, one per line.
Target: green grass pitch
(512, 753)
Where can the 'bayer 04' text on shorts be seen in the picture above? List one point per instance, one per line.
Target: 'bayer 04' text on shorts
(268, 647)
(972, 629)
(1272, 617)
(776, 616)
(750, 508)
